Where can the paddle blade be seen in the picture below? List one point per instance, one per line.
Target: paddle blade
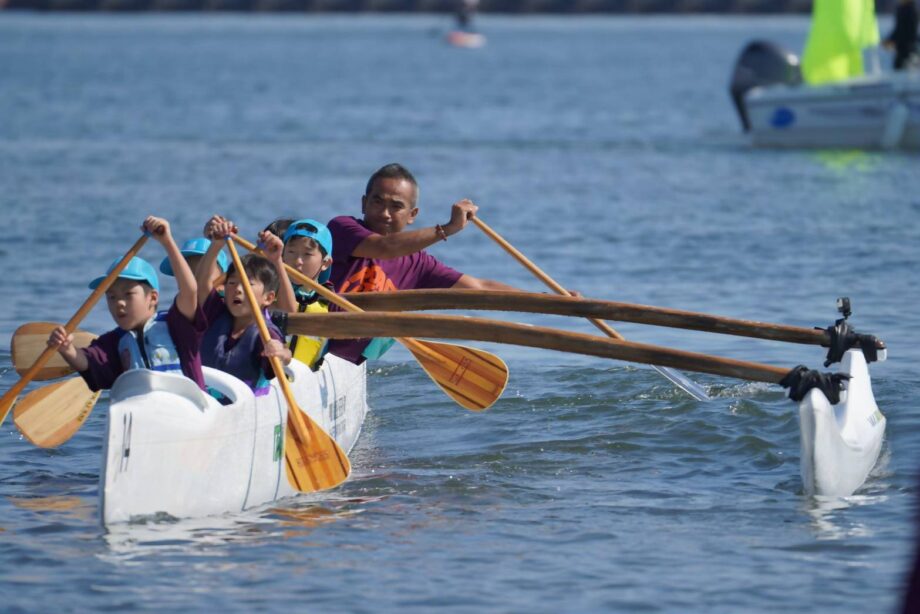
(313, 459)
(473, 378)
(51, 415)
(684, 383)
(30, 340)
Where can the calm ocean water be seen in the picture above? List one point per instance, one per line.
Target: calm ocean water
(607, 150)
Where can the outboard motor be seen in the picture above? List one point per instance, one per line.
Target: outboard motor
(762, 63)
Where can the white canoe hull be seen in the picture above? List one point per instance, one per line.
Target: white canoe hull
(841, 444)
(873, 112)
(171, 449)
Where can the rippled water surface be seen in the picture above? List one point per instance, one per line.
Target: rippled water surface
(606, 150)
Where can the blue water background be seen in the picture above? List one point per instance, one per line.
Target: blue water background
(607, 150)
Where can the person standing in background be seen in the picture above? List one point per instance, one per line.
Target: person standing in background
(903, 38)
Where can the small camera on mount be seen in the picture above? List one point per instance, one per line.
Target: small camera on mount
(843, 306)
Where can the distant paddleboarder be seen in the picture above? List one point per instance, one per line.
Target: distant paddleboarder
(465, 11)
(464, 34)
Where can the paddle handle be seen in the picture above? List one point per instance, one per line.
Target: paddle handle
(6, 402)
(539, 273)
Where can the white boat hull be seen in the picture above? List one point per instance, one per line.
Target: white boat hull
(841, 444)
(171, 449)
(470, 40)
(872, 112)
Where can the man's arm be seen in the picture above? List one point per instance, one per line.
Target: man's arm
(468, 282)
(411, 241)
(396, 245)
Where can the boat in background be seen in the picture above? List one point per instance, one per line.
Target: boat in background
(171, 450)
(464, 38)
(828, 101)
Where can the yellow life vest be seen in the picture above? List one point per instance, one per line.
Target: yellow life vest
(304, 348)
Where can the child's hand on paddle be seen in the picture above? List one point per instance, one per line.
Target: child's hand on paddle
(60, 340)
(277, 349)
(157, 227)
(219, 228)
(272, 245)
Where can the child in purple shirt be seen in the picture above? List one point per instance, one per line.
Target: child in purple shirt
(166, 341)
(232, 342)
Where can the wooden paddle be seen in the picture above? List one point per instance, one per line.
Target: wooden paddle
(679, 380)
(532, 302)
(31, 339)
(51, 415)
(314, 460)
(367, 324)
(473, 378)
(9, 398)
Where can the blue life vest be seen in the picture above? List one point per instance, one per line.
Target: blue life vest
(242, 361)
(152, 348)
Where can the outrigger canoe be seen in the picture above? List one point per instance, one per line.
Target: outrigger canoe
(173, 451)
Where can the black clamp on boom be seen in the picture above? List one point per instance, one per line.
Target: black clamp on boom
(801, 379)
(842, 338)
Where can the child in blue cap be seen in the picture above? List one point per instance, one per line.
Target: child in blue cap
(232, 342)
(144, 339)
(307, 248)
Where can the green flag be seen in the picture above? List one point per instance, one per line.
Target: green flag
(840, 30)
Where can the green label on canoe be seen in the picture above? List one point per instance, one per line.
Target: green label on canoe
(278, 443)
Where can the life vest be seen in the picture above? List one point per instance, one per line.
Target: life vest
(242, 360)
(305, 348)
(152, 348)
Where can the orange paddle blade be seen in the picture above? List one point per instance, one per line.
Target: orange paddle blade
(51, 415)
(473, 378)
(314, 463)
(31, 339)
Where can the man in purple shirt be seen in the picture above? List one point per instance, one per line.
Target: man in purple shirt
(376, 255)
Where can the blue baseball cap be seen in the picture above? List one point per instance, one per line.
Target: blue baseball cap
(195, 247)
(316, 231)
(137, 269)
